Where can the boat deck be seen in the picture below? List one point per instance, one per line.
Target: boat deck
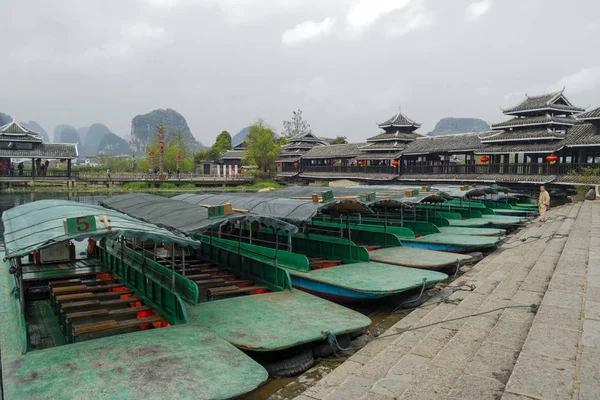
(446, 239)
(147, 364)
(276, 320)
(417, 258)
(470, 223)
(372, 277)
(458, 230)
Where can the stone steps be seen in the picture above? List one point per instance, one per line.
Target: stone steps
(443, 360)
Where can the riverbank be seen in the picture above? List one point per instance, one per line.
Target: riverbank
(507, 351)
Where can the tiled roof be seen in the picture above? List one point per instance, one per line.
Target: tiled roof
(233, 155)
(577, 180)
(288, 157)
(44, 150)
(445, 144)
(592, 114)
(14, 127)
(523, 135)
(545, 101)
(378, 146)
(544, 120)
(539, 147)
(400, 136)
(584, 134)
(333, 151)
(400, 120)
(379, 156)
(16, 137)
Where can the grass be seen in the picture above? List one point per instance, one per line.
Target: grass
(262, 183)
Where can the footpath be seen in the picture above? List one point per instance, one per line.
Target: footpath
(510, 353)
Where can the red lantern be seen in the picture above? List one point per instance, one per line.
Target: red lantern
(63, 160)
(296, 164)
(361, 163)
(151, 152)
(162, 146)
(394, 163)
(178, 156)
(484, 159)
(278, 164)
(439, 163)
(551, 158)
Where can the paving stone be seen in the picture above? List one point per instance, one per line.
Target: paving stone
(589, 392)
(375, 396)
(303, 397)
(562, 299)
(380, 365)
(434, 383)
(591, 333)
(434, 341)
(475, 387)
(542, 377)
(461, 349)
(592, 309)
(558, 316)
(511, 332)
(552, 341)
(493, 361)
(593, 281)
(392, 386)
(332, 380)
(469, 300)
(410, 364)
(567, 283)
(352, 388)
(592, 294)
(589, 371)
(512, 396)
(536, 282)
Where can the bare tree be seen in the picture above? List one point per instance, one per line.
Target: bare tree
(296, 126)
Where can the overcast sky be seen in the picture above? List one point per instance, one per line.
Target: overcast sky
(346, 63)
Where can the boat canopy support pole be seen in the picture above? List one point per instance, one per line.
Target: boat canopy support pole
(183, 261)
(276, 247)
(173, 266)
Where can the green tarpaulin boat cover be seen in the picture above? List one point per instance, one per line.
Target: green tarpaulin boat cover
(293, 211)
(182, 216)
(39, 224)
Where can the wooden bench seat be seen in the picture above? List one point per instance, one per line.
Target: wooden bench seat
(89, 296)
(73, 282)
(225, 290)
(112, 324)
(95, 303)
(104, 312)
(83, 288)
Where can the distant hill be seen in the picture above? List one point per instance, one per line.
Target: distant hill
(5, 119)
(83, 131)
(67, 134)
(240, 136)
(448, 126)
(94, 135)
(112, 144)
(143, 126)
(34, 126)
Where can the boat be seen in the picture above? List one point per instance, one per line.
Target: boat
(242, 291)
(116, 324)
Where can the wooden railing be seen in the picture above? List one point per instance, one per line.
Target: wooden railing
(512, 169)
(352, 169)
(28, 173)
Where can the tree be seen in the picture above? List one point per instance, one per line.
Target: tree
(262, 148)
(296, 126)
(211, 154)
(223, 142)
(174, 145)
(339, 140)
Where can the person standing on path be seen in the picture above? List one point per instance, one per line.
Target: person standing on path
(543, 203)
(108, 174)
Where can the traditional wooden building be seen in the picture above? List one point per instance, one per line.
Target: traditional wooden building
(18, 142)
(298, 145)
(385, 149)
(536, 129)
(234, 156)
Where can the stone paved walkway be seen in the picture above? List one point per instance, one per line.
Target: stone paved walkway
(507, 354)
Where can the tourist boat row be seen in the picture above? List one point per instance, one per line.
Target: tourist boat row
(211, 294)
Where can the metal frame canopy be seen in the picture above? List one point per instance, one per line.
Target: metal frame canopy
(39, 224)
(184, 217)
(295, 211)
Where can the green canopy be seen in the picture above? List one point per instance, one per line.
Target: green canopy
(184, 217)
(39, 224)
(294, 211)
